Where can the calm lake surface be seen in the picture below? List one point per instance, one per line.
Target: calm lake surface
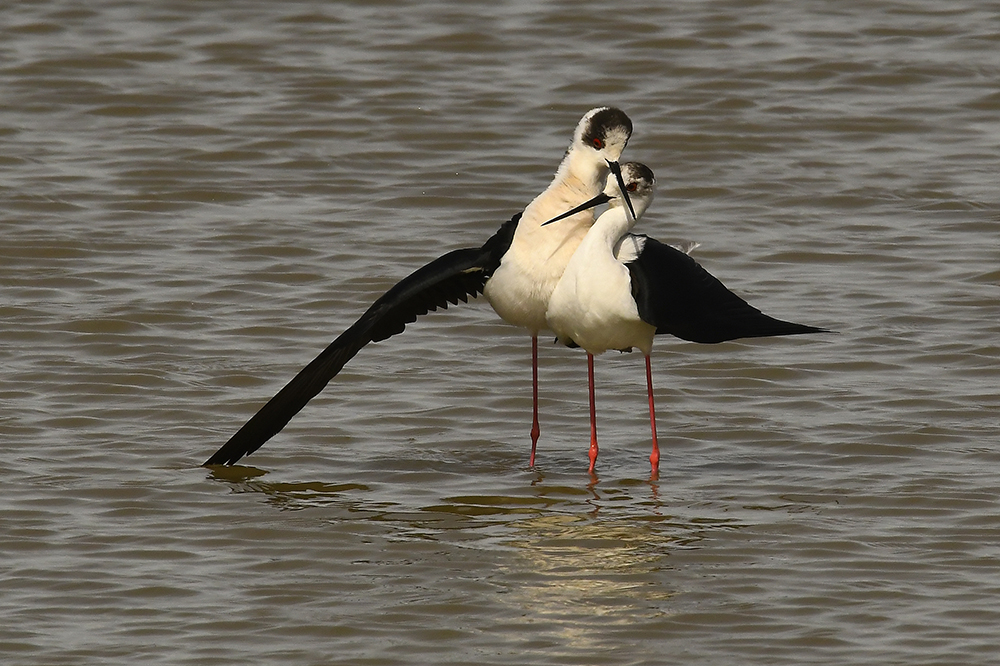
(196, 198)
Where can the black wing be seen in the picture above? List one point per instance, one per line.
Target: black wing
(678, 296)
(448, 279)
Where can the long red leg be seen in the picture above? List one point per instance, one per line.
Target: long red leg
(593, 413)
(535, 430)
(654, 457)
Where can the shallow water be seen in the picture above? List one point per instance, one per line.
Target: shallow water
(196, 200)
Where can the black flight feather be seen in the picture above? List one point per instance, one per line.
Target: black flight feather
(675, 294)
(452, 278)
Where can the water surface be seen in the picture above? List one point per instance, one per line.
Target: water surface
(196, 199)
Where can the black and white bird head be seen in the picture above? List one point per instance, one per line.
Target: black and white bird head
(632, 185)
(638, 183)
(603, 131)
(600, 137)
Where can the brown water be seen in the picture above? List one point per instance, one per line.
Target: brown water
(195, 198)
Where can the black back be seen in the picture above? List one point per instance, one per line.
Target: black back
(679, 297)
(451, 278)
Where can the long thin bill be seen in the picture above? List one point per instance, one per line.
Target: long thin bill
(617, 170)
(596, 201)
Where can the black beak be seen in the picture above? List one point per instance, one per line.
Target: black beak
(617, 170)
(596, 201)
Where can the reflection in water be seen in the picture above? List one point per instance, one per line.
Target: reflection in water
(566, 556)
(571, 570)
(284, 495)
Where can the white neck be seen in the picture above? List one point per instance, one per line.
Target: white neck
(580, 172)
(579, 178)
(613, 224)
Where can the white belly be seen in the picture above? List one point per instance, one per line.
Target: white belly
(520, 288)
(592, 306)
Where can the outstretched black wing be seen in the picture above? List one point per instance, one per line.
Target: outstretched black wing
(678, 296)
(448, 279)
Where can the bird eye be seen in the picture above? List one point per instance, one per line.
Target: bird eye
(632, 187)
(598, 143)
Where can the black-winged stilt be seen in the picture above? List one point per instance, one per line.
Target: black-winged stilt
(520, 288)
(620, 289)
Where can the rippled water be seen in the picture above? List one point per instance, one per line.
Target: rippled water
(197, 197)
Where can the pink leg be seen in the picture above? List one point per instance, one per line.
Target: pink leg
(654, 457)
(593, 413)
(535, 430)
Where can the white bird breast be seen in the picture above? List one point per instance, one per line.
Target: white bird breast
(594, 308)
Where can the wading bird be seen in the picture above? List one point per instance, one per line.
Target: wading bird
(520, 288)
(517, 269)
(620, 289)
